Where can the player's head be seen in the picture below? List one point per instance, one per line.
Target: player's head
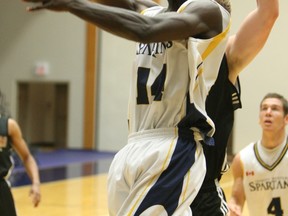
(226, 4)
(280, 98)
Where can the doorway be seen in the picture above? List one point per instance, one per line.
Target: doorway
(43, 113)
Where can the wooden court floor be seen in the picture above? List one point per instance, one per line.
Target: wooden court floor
(84, 196)
(73, 197)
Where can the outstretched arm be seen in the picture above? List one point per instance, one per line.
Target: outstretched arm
(237, 200)
(198, 18)
(251, 36)
(136, 5)
(28, 160)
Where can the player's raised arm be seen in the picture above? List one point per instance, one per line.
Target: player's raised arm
(252, 35)
(199, 18)
(136, 5)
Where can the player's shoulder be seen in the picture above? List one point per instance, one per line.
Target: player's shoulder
(207, 11)
(13, 127)
(247, 152)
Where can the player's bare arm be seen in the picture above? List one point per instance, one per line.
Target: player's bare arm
(3, 142)
(136, 5)
(18, 142)
(20, 146)
(202, 19)
(243, 47)
(237, 200)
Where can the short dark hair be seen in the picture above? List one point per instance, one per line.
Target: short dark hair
(226, 4)
(280, 97)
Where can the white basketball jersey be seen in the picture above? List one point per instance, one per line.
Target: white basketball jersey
(266, 186)
(172, 79)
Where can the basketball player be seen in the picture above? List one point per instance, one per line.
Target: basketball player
(179, 51)
(224, 98)
(11, 138)
(260, 169)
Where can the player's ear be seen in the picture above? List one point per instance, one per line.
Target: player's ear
(286, 119)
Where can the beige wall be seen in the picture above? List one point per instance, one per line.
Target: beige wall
(267, 73)
(59, 39)
(116, 56)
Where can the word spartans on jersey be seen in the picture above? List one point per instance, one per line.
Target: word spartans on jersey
(153, 48)
(269, 184)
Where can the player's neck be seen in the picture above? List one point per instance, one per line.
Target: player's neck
(272, 140)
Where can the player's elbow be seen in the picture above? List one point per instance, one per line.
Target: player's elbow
(274, 14)
(27, 158)
(270, 13)
(147, 33)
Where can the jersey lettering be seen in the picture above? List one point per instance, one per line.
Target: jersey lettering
(157, 87)
(275, 208)
(152, 49)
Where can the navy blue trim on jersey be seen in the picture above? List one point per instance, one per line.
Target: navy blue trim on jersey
(167, 190)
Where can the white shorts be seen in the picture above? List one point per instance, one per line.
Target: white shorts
(158, 173)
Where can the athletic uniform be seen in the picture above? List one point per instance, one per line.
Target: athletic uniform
(265, 179)
(222, 101)
(161, 169)
(7, 207)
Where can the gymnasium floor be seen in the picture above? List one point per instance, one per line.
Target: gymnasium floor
(63, 164)
(73, 184)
